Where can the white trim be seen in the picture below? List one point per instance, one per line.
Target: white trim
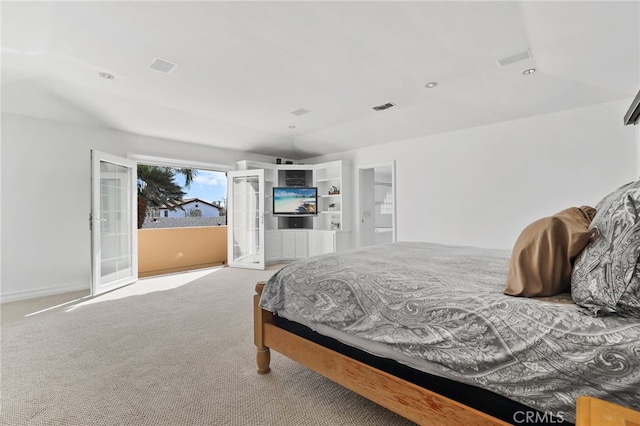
(42, 292)
(171, 162)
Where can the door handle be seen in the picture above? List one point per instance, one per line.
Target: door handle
(91, 221)
(98, 220)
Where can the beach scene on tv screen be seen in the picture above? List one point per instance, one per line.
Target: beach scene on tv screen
(294, 201)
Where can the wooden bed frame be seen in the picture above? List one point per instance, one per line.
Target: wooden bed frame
(408, 400)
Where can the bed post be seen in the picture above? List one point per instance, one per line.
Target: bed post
(261, 317)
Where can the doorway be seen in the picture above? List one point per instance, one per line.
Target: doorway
(376, 204)
(186, 234)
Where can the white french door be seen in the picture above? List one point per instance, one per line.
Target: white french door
(245, 219)
(114, 237)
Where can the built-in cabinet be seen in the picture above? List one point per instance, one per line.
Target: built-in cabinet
(288, 244)
(321, 242)
(273, 246)
(328, 231)
(294, 244)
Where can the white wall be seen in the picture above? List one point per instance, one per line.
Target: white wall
(476, 187)
(46, 198)
(482, 186)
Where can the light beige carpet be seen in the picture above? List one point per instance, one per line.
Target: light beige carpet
(174, 350)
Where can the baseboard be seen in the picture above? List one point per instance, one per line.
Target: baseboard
(40, 292)
(188, 268)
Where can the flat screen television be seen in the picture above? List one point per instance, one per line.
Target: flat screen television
(295, 201)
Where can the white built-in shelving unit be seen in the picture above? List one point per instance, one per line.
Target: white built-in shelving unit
(328, 231)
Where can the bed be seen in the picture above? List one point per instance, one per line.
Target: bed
(427, 330)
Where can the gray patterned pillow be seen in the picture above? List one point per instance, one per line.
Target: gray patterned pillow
(605, 276)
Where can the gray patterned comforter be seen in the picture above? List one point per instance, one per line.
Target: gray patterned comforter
(443, 306)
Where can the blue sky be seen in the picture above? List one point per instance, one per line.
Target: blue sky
(207, 185)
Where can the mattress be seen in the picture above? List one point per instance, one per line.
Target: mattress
(440, 309)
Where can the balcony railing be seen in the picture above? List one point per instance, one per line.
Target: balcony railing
(168, 250)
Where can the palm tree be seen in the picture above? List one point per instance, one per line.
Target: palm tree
(157, 187)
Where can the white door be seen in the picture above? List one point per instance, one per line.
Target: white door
(245, 219)
(377, 210)
(114, 237)
(367, 207)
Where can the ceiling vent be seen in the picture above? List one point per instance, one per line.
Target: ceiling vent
(515, 58)
(300, 111)
(162, 65)
(384, 106)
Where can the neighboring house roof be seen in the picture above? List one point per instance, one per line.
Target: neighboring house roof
(190, 200)
(183, 222)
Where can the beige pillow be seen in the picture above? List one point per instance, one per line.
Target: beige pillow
(543, 255)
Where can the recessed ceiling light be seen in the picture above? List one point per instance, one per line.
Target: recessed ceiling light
(529, 71)
(106, 75)
(431, 84)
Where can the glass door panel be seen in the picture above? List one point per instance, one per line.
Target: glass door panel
(245, 214)
(113, 213)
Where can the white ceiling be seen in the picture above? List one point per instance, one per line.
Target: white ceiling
(243, 67)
